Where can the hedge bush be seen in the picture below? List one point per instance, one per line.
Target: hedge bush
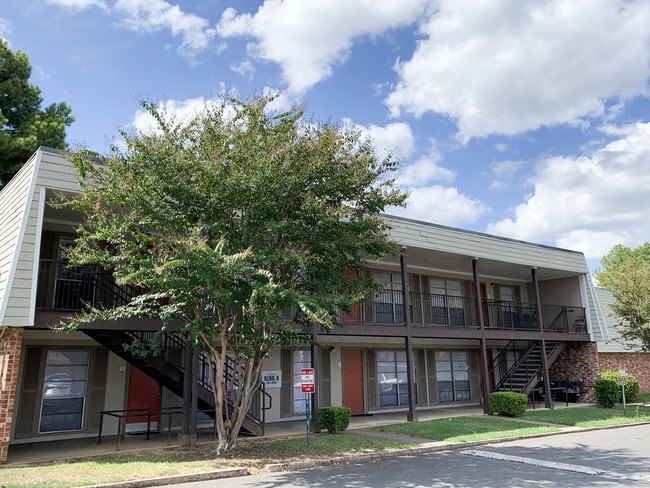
(334, 419)
(631, 384)
(508, 403)
(607, 392)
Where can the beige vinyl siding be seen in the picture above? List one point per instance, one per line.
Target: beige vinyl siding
(465, 243)
(14, 199)
(52, 172)
(615, 343)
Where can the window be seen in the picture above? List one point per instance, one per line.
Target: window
(447, 301)
(392, 378)
(64, 391)
(301, 359)
(452, 375)
(388, 303)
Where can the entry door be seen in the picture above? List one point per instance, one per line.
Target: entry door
(144, 393)
(353, 393)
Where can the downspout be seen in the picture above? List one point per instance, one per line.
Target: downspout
(408, 342)
(481, 324)
(540, 319)
(315, 363)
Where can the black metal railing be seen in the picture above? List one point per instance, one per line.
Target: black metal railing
(172, 347)
(64, 287)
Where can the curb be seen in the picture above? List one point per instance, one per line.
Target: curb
(432, 447)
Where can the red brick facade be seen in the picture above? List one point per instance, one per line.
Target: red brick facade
(11, 340)
(578, 361)
(635, 363)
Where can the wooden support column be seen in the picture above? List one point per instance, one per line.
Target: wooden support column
(184, 439)
(195, 395)
(408, 341)
(481, 322)
(540, 320)
(315, 363)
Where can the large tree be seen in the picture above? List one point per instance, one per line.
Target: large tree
(24, 125)
(626, 272)
(232, 219)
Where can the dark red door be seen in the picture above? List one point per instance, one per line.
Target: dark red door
(353, 393)
(143, 393)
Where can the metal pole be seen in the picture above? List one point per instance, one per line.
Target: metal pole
(412, 415)
(540, 319)
(308, 419)
(481, 323)
(315, 363)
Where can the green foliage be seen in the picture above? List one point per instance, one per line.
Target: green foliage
(607, 392)
(24, 126)
(631, 384)
(334, 419)
(231, 219)
(508, 403)
(626, 272)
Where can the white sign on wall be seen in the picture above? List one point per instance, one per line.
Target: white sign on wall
(272, 379)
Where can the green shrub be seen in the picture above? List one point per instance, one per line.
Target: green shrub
(508, 403)
(631, 384)
(607, 392)
(334, 419)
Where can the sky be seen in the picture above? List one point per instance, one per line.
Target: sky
(528, 119)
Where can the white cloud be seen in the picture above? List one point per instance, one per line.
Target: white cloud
(5, 28)
(396, 138)
(308, 38)
(589, 202)
(441, 205)
(499, 67)
(506, 168)
(79, 4)
(424, 171)
(245, 68)
(179, 111)
(149, 16)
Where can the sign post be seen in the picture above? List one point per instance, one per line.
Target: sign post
(308, 386)
(623, 378)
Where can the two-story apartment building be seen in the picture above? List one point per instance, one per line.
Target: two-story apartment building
(461, 314)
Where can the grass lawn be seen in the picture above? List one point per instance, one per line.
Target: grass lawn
(252, 454)
(642, 398)
(591, 416)
(466, 429)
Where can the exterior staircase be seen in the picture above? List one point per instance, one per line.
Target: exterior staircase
(167, 369)
(526, 372)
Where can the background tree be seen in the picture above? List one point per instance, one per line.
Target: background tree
(24, 126)
(626, 272)
(231, 219)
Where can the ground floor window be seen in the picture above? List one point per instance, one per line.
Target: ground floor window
(64, 390)
(392, 378)
(452, 374)
(301, 359)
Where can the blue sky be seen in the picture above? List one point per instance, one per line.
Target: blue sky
(524, 118)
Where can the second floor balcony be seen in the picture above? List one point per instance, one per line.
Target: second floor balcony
(67, 289)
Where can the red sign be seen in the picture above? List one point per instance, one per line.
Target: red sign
(307, 380)
(623, 375)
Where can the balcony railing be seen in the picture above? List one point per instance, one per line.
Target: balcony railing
(66, 288)
(61, 287)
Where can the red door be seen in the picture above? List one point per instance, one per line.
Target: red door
(353, 394)
(143, 393)
(355, 313)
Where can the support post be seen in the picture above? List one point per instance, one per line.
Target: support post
(481, 323)
(408, 342)
(184, 439)
(540, 320)
(315, 363)
(195, 395)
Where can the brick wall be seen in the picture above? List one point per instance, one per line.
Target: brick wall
(578, 361)
(11, 340)
(635, 363)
